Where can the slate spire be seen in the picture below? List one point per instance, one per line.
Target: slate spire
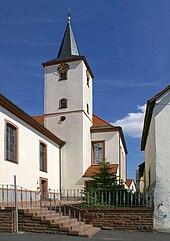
(68, 46)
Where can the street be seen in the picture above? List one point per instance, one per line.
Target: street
(101, 236)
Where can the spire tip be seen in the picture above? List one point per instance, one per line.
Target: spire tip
(69, 15)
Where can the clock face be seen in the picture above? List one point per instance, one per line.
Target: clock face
(98, 153)
(63, 68)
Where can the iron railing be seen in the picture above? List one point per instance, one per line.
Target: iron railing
(115, 198)
(77, 197)
(33, 199)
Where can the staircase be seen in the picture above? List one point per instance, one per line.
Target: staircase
(48, 221)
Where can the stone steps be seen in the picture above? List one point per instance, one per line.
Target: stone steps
(45, 221)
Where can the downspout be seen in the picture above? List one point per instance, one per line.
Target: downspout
(60, 168)
(119, 160)
(126, 164)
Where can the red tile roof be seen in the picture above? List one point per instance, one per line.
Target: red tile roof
(129, 182)
(95, 169)
(97, 121)
(100, 125)
(39, 118)
(15, 110)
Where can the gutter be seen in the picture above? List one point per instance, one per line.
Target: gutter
(60, 169)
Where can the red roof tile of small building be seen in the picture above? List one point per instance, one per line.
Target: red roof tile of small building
(92, 170)
(22, 115)
(129, 182)
(97, 121)
(102, 125)
(39, 118)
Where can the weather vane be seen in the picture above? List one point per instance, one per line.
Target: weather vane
(69, 15)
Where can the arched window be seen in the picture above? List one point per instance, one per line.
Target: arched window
(63, 103)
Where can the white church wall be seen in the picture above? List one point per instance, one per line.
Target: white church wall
(71, 131)
(122, 162)
(72, 157)
(86, 145)
(162, 189)
(87, 93)
(150, 155)
(75, 129)
(71, 88)
(111, 145)
(27, 170)
(87, 120)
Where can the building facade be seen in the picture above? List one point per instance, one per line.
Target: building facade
(69, 115)
(28, 150)
(68, 134)
(155, 143)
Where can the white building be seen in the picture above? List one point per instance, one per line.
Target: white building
(156, 144)
(68, 114)
(131, 185)
(27, 150)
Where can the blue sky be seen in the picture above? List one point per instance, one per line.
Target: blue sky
(126, 42)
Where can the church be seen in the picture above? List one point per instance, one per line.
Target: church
(62, 148)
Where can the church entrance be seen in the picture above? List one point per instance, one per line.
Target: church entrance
(44, 188)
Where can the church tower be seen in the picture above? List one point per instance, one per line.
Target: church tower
(68, 108)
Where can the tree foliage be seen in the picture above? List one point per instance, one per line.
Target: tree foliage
(106, 179)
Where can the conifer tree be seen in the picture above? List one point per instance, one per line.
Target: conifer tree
(106, 179)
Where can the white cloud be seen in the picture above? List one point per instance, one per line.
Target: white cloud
(132, 124)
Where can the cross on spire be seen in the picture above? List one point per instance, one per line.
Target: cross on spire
(69, 15)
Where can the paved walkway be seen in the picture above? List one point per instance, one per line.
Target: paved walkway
(101, 236)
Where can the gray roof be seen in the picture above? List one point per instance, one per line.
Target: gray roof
(68, 50)
(68, 46)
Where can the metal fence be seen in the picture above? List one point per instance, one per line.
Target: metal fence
(116, 198)
(68, 202)
(34, 199)
(76, 197)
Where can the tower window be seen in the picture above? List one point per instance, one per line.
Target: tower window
(149, 177)
(88, 82)
(87, 108)
(63, 76)
(63, 103)
(88, 78)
